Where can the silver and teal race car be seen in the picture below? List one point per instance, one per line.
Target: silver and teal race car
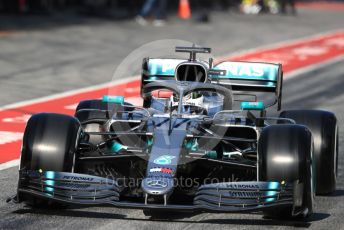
(201, 142)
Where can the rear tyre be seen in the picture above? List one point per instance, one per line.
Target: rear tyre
(92, 104)
(324, 128)
(102, 106)
(95, 113)
(285, 154)
(49, 144)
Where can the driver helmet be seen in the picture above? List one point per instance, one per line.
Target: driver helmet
(191, 99)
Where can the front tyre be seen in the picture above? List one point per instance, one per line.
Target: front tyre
(285, 154)
(49, 144)
(324, 128)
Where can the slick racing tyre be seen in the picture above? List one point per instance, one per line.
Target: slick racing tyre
(101, 106)
(285, 154)
(92, 104)
(324, 128)
(49, 144)
(92, 114)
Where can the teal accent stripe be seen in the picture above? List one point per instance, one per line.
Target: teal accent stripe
(249, 71)
(49, 175)
(116, 147)
(245, 105)
(113, 99)
(272, 186)
(163, 67)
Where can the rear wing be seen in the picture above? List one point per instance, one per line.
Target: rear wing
(155, 69)
(239, 76)
(250, 76)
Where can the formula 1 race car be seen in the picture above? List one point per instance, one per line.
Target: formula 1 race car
(188, 148)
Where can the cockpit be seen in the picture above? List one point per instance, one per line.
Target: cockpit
(194, 103)
(187, 98)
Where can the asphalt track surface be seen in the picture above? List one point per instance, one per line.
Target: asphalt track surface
(40, 62)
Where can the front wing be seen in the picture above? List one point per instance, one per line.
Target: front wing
(82, 189)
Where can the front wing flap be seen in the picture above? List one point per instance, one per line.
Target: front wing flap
(72, 187)
(241, 195)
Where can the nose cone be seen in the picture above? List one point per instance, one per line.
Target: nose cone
(157, 185)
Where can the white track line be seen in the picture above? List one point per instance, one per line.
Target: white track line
(310, 68)
(69, 93)
(9, 164)
(288, 76)
(280, 44)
